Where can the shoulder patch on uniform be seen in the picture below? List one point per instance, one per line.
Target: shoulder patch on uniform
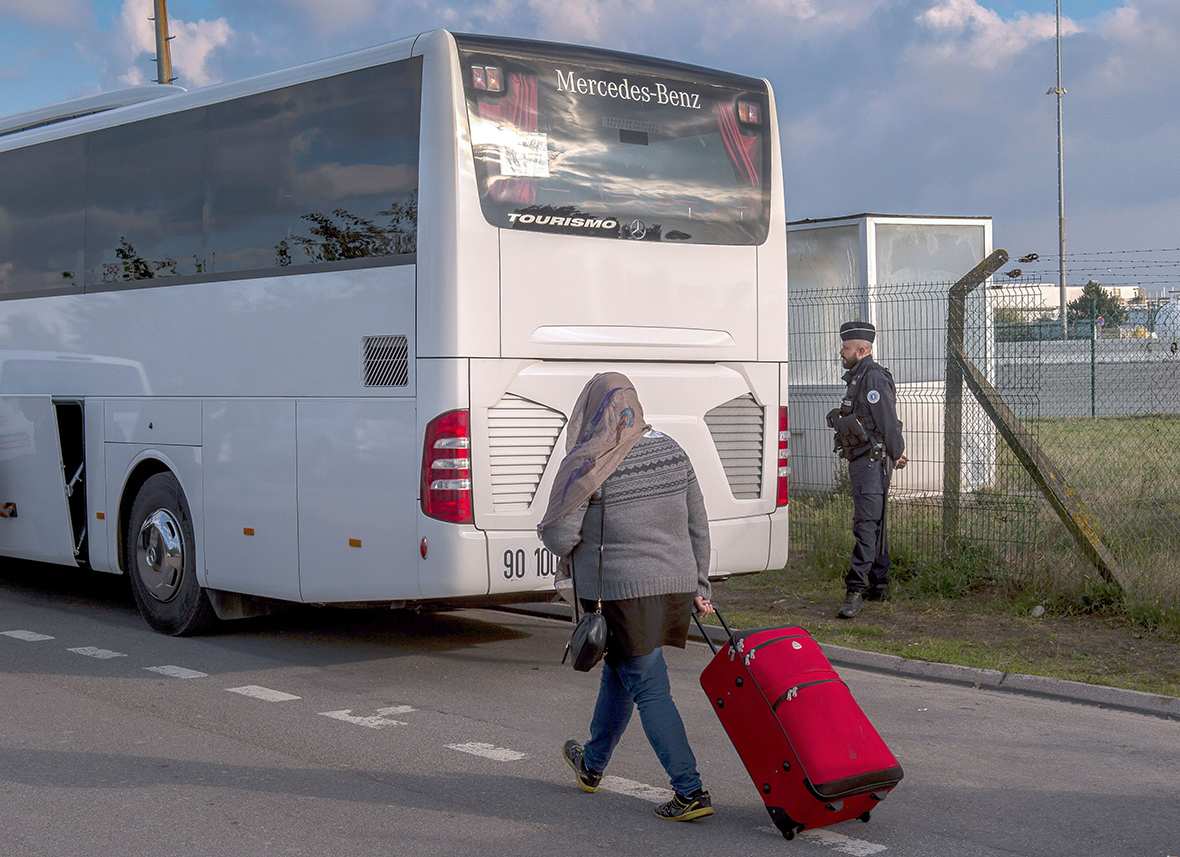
(873, 397)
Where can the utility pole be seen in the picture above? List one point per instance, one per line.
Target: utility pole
(163, 52)
(1059, 91)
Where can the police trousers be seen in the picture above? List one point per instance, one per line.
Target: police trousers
(870, 553)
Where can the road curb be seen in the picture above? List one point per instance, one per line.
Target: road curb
(1102, 696)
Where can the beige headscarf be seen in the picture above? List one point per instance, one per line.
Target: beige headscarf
(607, 420)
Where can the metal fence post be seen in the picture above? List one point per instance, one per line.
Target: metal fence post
(952, 434)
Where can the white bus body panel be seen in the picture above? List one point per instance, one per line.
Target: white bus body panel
(31, 477)
(675, 398)
(459, 304)
(251, 529)
(239, 337)
(573, 297)
(100, 530)
(358, 500)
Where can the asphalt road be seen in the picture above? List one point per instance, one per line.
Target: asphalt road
(329, 732)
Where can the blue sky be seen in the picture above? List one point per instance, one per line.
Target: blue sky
(891, 106)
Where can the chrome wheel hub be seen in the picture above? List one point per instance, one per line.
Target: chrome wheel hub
(160, 555)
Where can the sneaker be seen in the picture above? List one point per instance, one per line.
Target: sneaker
(696, 805)
(877, 592)
(853, 602)
(588, 780)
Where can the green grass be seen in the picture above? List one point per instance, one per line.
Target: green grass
(971, 608)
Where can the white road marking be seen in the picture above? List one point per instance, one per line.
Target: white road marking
(838, 841)
(176, 672)
(488, 751)
(263, 693)
(377, 721)
(843, 844)
(622, 786)
(29, 636)
(101, 654)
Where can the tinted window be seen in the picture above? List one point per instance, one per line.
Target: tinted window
(320, 172)
(605, 145)
(144, 199)
(42, 217)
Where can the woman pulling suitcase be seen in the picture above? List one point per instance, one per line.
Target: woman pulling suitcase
(632, 490)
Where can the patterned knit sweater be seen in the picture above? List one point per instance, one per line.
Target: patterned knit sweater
(656, 529)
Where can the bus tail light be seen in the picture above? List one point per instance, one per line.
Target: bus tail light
(784, 453)
(446, 468)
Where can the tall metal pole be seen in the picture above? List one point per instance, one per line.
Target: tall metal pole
(163, 52)
(1059, 91)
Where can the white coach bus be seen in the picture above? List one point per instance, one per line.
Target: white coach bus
(313, 336)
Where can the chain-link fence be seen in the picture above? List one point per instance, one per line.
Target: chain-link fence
(1094, 416)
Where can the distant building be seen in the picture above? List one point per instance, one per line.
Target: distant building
(894, 271)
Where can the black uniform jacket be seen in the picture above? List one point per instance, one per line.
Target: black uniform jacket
(876, 405)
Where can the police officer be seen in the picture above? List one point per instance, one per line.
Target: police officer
(868, 434)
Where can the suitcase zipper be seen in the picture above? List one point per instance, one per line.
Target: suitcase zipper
(794, 691)
(747, 657)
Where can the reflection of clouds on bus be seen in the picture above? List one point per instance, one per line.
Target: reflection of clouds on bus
(28, 372)
(336, 181)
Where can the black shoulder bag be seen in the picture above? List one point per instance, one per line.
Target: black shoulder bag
(588, 641)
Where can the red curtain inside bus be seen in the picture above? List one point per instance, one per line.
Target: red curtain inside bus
(517, 108)
(744, 152)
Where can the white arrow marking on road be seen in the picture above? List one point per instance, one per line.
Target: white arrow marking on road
(263, 693)
(843, 844)
(29, 636)
(489, 751)
(378, 721)
(622, 786)
(101, 654)
(176, 672)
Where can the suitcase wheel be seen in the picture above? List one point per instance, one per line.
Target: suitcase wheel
(864, 816)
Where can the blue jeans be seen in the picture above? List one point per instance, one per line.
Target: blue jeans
(643, 682)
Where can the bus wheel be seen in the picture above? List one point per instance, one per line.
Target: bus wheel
(160, 554)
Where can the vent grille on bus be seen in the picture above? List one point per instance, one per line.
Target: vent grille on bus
(387, 361)
(737, 428)
(521, 437)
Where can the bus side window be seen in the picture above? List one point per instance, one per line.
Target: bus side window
(43, 209)
(145, 195)
(322, 171)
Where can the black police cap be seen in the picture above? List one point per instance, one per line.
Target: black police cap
(858, 330)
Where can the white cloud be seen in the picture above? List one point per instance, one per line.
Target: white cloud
(1142, 51)
(190, 50)
(967, 33)
(701, 24)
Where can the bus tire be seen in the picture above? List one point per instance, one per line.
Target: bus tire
(161, 558)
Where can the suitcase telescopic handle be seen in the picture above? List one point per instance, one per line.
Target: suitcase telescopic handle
(704, 633)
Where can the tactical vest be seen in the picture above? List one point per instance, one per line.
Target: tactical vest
(856, 436)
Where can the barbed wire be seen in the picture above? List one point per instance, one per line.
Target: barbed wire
(1122, 268)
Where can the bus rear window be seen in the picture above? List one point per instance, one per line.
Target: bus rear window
(594, 145)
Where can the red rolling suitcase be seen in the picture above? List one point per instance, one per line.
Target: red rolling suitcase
(812, 753)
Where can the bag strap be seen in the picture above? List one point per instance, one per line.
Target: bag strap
(574, 571)
(601, 540)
